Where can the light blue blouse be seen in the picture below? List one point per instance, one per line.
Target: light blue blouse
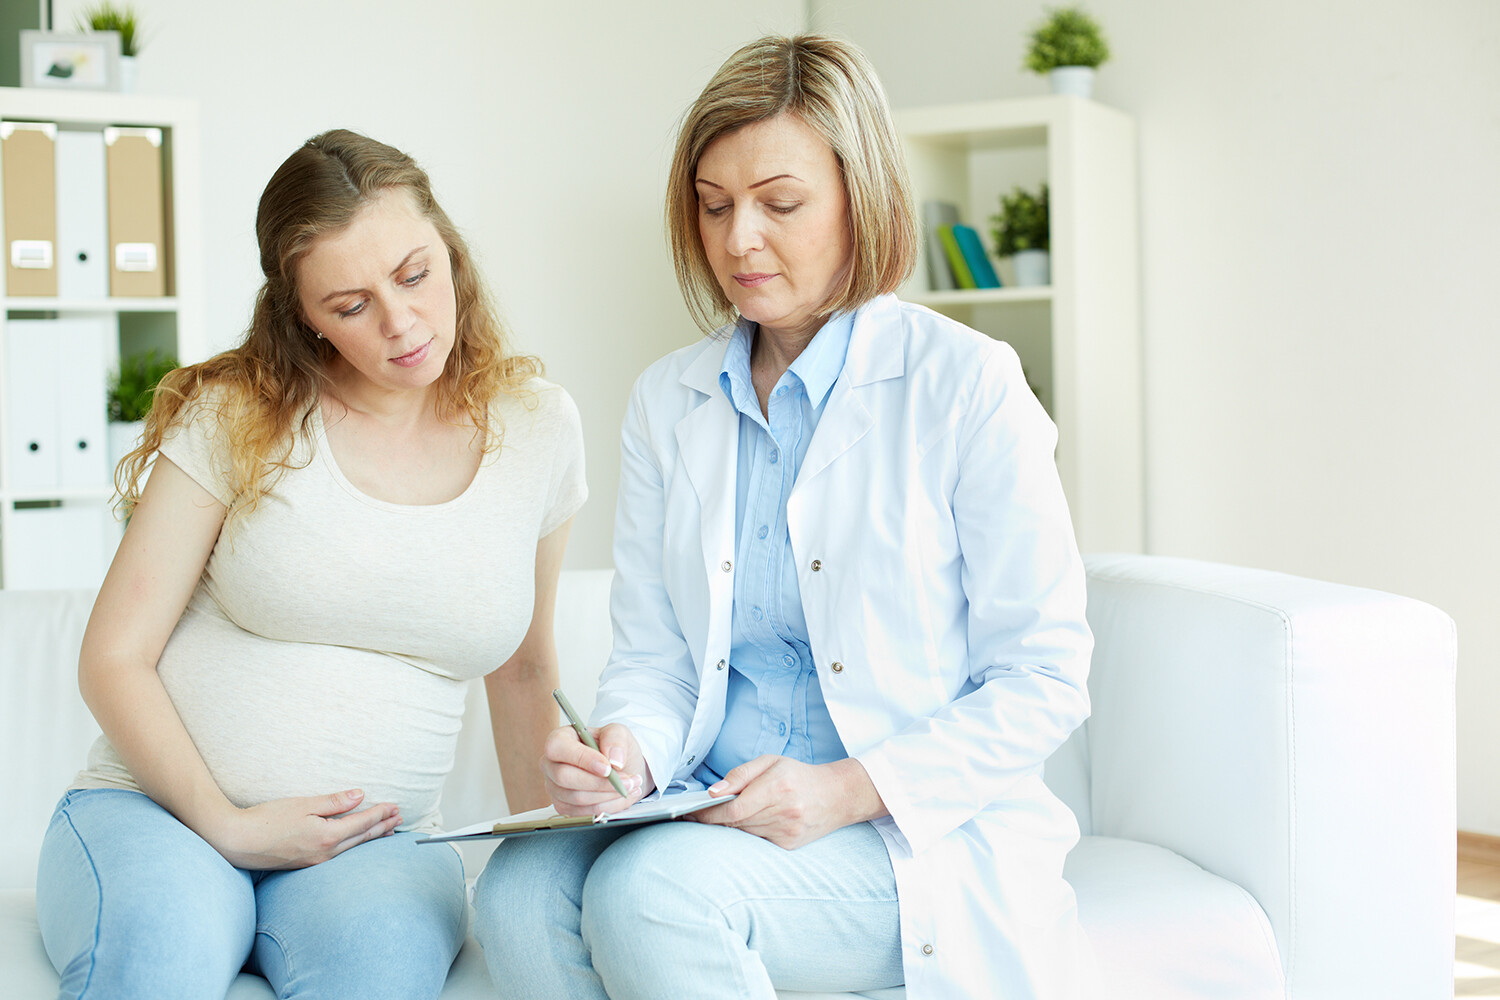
(775, 705)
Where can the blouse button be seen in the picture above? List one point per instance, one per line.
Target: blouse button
(720, 665)
(726, 565)
(837, 667)
(817, 564)
(926, 948)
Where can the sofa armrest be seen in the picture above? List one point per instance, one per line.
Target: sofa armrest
(1296, 738)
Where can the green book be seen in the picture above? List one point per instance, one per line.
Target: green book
(955, 255)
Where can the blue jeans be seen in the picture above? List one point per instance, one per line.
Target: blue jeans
(132, 904)
(685, 910)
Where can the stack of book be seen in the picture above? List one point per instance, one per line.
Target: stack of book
(955, 255)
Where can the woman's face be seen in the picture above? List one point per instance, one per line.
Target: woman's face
(775, 222)
(381, 291)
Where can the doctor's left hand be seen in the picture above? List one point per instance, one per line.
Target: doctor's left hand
(791, 803)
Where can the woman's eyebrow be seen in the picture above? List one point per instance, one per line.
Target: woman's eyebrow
(752, 187)
(396, 270)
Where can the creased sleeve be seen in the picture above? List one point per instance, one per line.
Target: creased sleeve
(198, 443)
(1028, 641)
(650, 683)
(568, 488)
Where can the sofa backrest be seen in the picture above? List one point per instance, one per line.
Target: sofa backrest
(46, 730)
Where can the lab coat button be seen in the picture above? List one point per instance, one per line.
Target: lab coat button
(721, 665)
(695, 757)
(837, 667)
(726, 565)
(817, 564)
(927, 949)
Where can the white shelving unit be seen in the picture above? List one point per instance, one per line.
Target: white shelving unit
(173, 322)
(1079, 339)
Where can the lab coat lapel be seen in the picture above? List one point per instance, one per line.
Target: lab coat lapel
(874, 355)
(708, 446)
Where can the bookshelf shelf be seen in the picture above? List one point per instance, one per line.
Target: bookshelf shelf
(1079, 339)
(111, 305)
(980, 296)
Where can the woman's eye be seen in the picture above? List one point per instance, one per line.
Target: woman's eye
(785, 209)
(715, 209)
(416, 279)
(353, 310)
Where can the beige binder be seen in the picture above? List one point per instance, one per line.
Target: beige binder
(137, 245)
(28, 152)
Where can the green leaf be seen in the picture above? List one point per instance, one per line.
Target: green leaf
(1069, 37)
(1023, 223)
(131, 387)
(106, 16)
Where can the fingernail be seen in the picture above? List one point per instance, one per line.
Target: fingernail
(602, 769)
(355, 794)
(633, 784)
(717, 787)
(616, 758)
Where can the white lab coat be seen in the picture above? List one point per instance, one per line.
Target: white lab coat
(944, 598)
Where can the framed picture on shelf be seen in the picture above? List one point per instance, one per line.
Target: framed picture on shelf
(64, 61)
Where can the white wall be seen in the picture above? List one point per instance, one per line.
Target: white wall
(1319, 218)
(546, 129)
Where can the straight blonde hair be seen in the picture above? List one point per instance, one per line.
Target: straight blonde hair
(830, 85)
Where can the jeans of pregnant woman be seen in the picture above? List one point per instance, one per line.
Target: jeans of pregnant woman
(683, 910)
(132, 904)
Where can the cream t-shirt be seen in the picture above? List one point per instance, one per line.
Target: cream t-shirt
(329, 642)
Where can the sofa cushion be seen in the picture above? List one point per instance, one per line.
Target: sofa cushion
(1165, 929)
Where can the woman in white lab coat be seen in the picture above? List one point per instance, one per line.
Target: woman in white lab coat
(847, 590)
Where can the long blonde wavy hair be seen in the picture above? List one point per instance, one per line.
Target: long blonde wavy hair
(274, 378)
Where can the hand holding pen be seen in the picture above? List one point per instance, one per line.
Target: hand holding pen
(592, 772)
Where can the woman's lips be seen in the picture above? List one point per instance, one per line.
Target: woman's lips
(752, 280)
(415, 357)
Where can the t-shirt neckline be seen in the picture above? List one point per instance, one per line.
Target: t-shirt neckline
(330, 462)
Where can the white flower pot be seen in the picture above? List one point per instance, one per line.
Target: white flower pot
(1033, 268)
(1075, 81)
(128, 71)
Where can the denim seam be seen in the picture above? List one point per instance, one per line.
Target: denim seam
(98, 900)
(286, 956)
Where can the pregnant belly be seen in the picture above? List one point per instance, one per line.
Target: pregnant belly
(276, 719)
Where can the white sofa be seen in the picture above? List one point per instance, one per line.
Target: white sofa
(1266, 786)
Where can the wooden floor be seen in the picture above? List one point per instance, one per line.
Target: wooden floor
(1476, 972)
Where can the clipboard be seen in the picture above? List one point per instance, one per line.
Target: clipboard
(547, 820)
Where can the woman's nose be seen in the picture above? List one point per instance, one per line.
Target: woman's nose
(399, 317)
(744, 233)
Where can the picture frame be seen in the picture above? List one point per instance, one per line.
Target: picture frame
(70, 61)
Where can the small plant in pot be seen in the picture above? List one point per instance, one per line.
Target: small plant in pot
(129, 399)
(1068, 47)
(1023, 232)
(107, 16)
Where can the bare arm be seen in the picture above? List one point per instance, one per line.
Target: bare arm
(159, 562)
(522, 711)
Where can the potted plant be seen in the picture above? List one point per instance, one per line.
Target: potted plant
(1068, 47)
(129, 399)
(107, 16)
(1023, 232)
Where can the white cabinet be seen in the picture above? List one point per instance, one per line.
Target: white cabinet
(55, 434)
(57, 528)
(1079, 338)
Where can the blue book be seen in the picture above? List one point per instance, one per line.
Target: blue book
(974, 255)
